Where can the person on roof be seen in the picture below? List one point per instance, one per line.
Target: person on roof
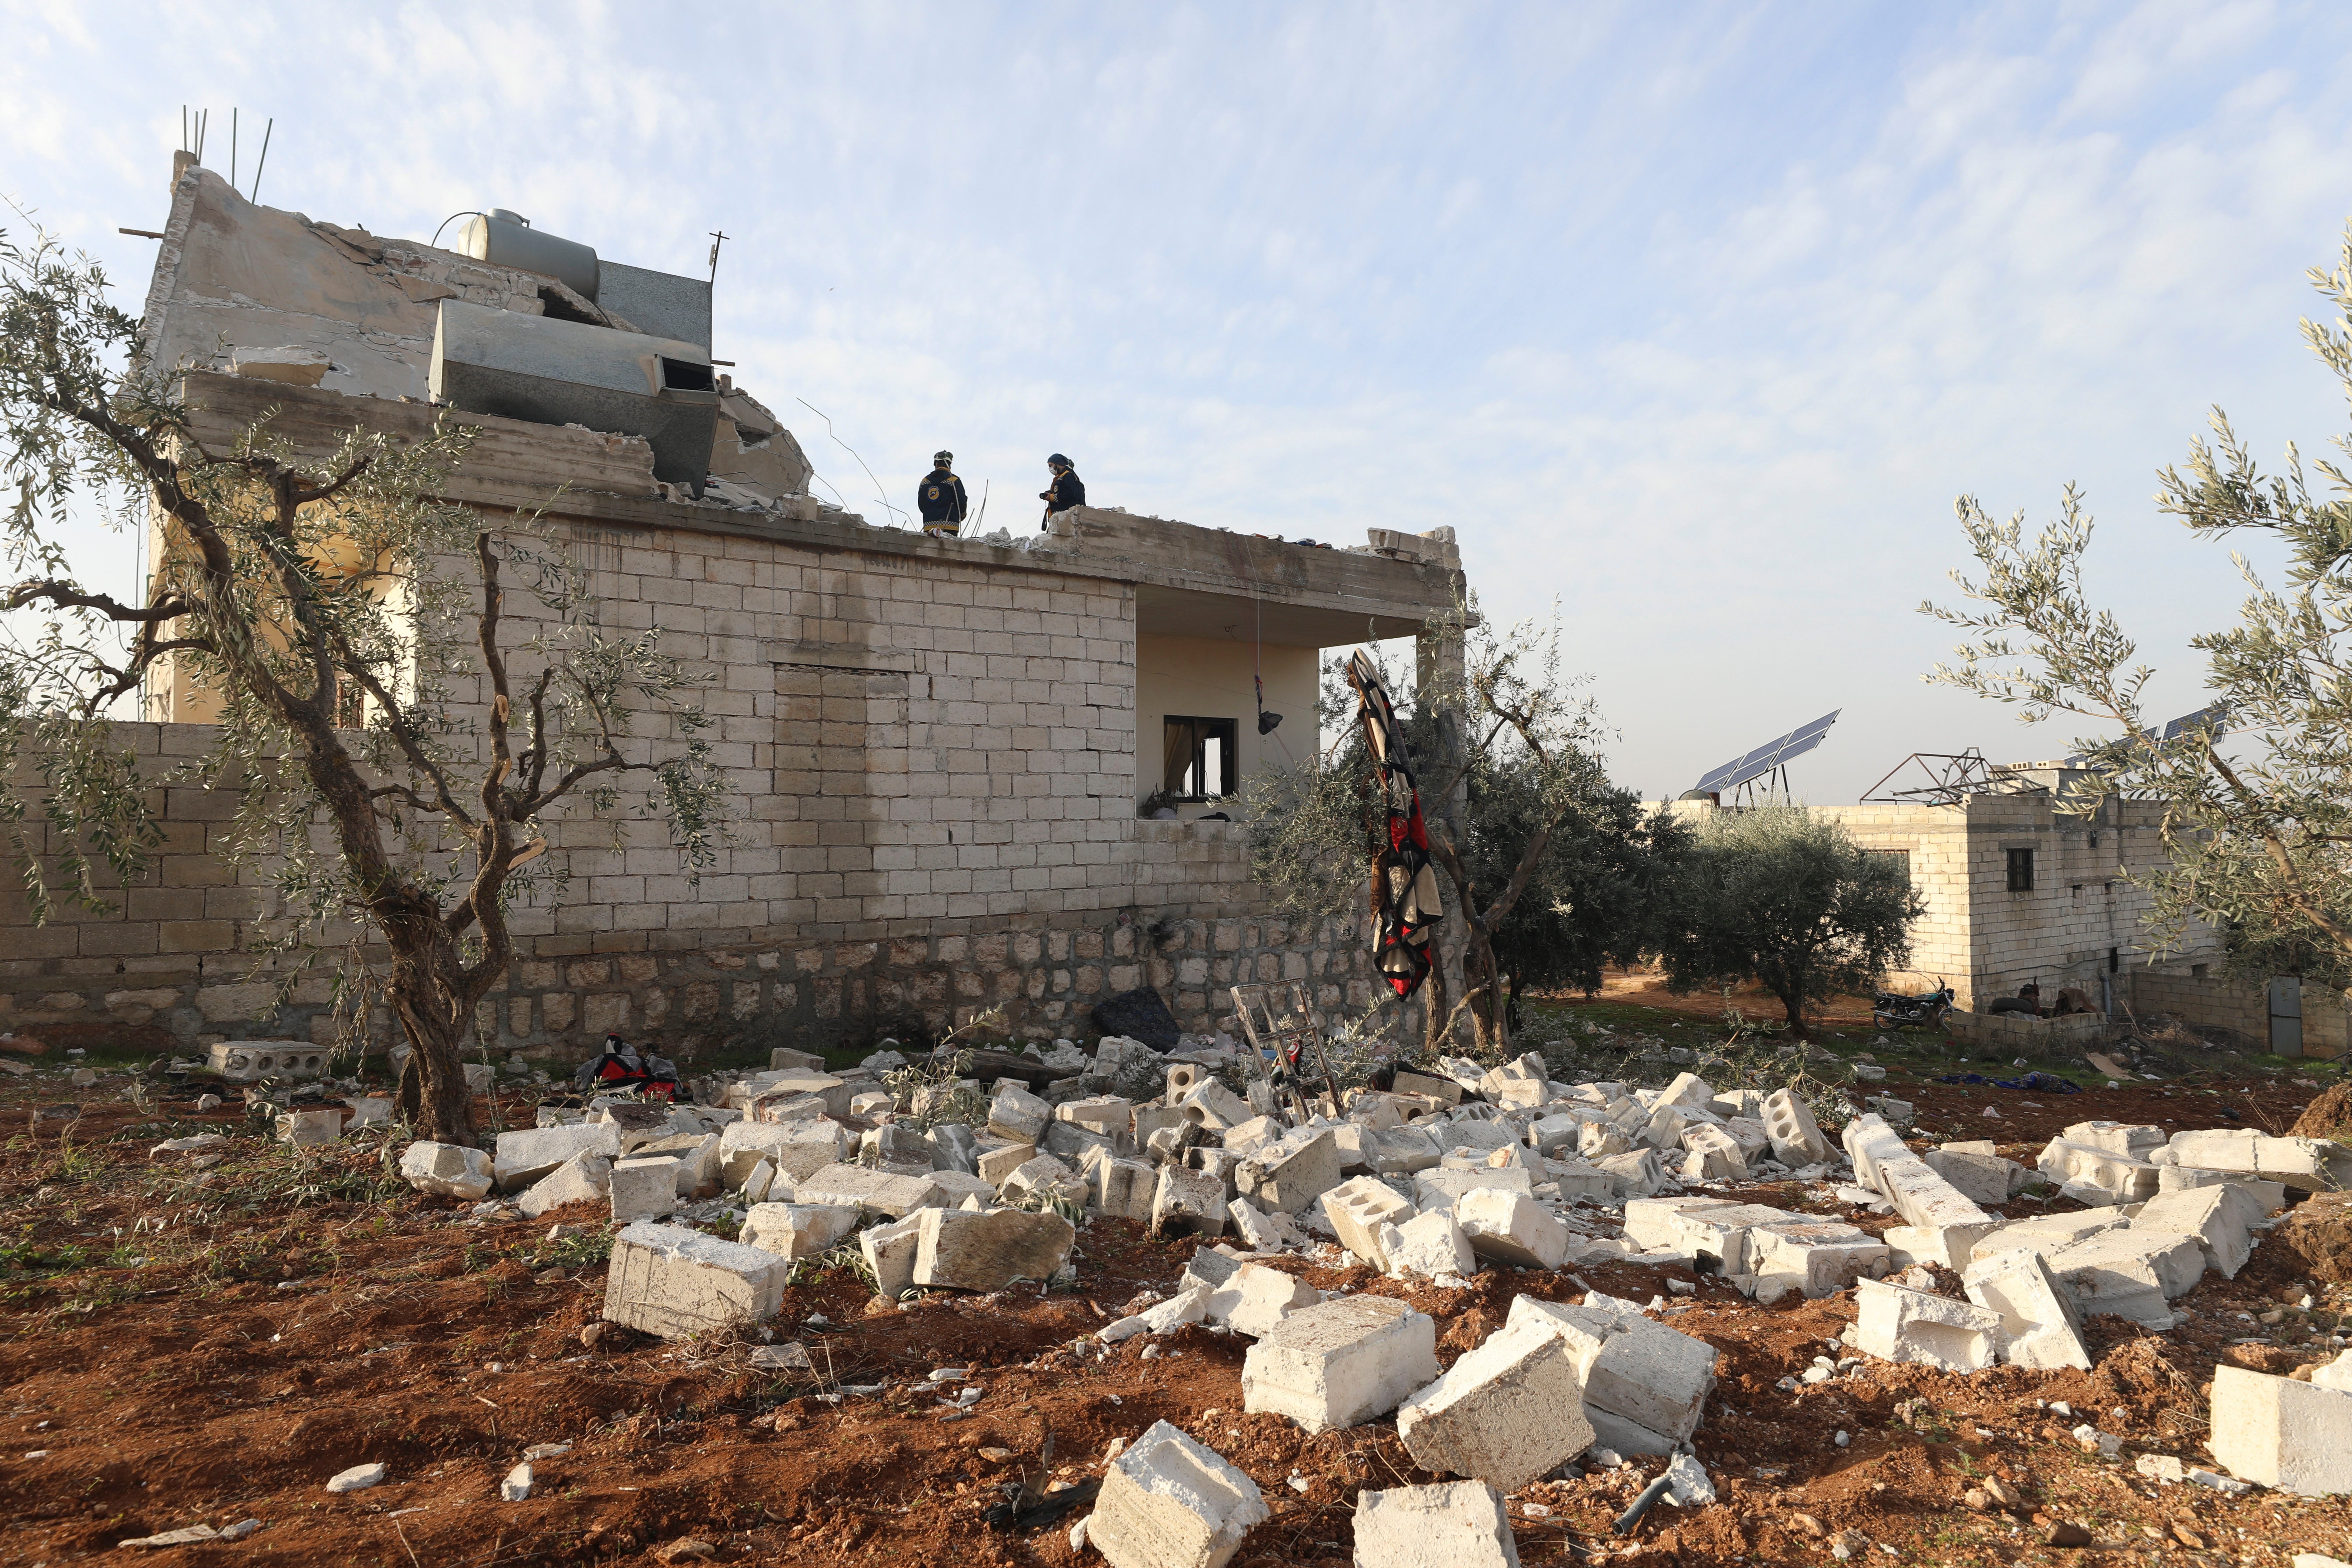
(1066, 490)
(941, 498)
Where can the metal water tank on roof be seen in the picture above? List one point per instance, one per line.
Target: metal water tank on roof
(568, 373)
(507, 239)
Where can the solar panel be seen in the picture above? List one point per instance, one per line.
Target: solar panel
(2213, 713)
(1768, 756)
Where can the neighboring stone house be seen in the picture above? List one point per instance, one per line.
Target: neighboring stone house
(939, 748)
(2019, 889)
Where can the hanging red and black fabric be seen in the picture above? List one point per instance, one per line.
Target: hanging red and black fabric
(1404, 899)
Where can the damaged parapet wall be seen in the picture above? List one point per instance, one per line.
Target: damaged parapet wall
(934, 748)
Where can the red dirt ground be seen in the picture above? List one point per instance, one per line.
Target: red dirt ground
(298, 1314)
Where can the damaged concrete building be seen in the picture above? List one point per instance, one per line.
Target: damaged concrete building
(946, 754)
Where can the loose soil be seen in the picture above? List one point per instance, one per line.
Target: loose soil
(210, 1345)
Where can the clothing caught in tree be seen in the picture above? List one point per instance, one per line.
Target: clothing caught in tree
(1404, 898)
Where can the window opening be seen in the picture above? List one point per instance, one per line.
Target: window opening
(1200, 758)
(2020, 871)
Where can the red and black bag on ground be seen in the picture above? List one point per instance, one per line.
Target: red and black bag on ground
(1404, 897)
(624, 1066)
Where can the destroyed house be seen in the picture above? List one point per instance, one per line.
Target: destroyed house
(963, 771)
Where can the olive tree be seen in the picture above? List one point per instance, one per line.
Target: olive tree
(2256, 796)
(1789, 898)
(395, 747)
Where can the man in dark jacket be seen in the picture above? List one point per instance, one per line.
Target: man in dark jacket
(941, 498)
(1066, 490)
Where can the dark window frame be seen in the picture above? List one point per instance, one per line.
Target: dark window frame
(2020, 871)
(1184, 741)
(1901, 858)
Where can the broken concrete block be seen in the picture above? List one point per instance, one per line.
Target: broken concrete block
(2221, 1219)
(1439, 1188)
(956, 1189)
(2131, 1273)
(1637, 1172)
(1460, 1524)
(1255, 1298)
(1187, 1306)
(1980, 1178)
(1520, 1085)
(1634, 1371)
(2270, 1197)
(1263, 1232)
(447, 1170)
(307, 1129)
(1125, 1188)
(585, 1178)
(2132, 1142)
(1711, 1227)
(668, 1281)
(876, 1191)
(1045, 1173)
(1814, 1258)
(1111, 1116)
(1714, 1155)
(2278, 1433)
(1070, 1143)
(756, 1185)
(1188, 1203)
(1869, 1143)
(529, 1153)
(1168, 1502)
(1511, 1228)
(1017, 1115)
(2094, 1175)
(1578, 1181)
(1443, 1090)
(1904, 1325)
(643, 1188)
(2039, 1325)
(1214, 1106)
(1506, 1413)
(996, 1165)
(796, 1149)
(2244, 1151)
(1243, 1137)
(1341, 1361)
(2308, 1165)
(966, 1251)
(798, 1230)
(1945, 1246)
(1687, 1089)
(1551, 1134)
(1402, 1150)
(1597, 1141)
(889, 1252)
(1357, 1211)
(2044, 1234)
(1286, 1174)
(776, 1101)
(1428, 1243)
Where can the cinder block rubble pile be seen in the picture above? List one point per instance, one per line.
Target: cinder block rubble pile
(1438, 1177)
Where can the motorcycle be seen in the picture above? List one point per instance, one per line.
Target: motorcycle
(1891, 1010)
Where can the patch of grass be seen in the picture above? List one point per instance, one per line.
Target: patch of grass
(590, 1249)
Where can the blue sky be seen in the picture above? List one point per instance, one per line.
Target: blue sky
(1693, 319)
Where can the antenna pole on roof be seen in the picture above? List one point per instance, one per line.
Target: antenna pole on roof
(261, 163)
(718, 238)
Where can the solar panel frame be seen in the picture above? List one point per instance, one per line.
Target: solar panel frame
(1768, 756)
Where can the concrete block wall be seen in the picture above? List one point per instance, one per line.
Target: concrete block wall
(932, 765)
(2212, 1000)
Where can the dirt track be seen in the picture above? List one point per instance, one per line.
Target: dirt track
(298, 1314)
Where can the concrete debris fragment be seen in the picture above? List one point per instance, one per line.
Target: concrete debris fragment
(670, 1281)
(1899, 1325)
(585, 1178)
(1168, 1501)
(447, 1170)
(1459, 1525)
(358, 1477)
(1341, 1362)
(2278, 1433)
(1431, 1244)
(2040, 1326)
(797, 1230)
(988, 1251)
(1506, 1412)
